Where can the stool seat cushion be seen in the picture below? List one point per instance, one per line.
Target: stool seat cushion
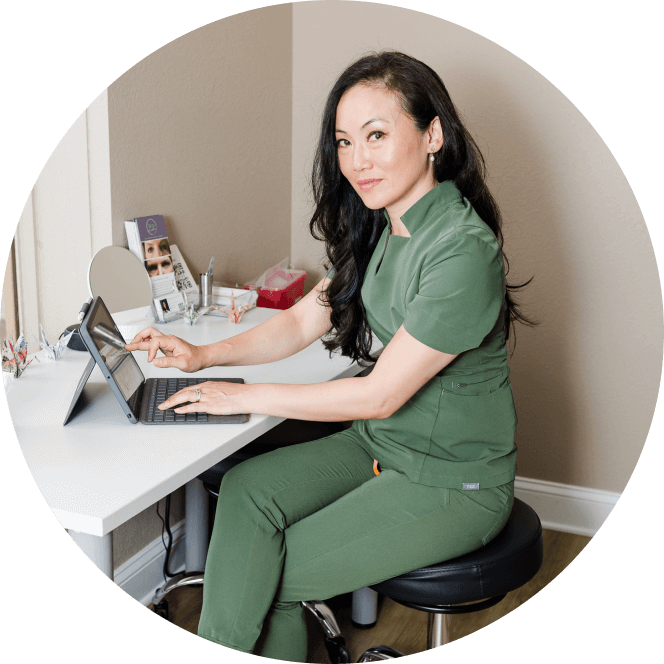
(508, 561)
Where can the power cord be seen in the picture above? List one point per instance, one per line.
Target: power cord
(165, 525)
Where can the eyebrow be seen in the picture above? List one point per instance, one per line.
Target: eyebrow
(341, 131)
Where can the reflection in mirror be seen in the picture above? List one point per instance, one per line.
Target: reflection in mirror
(120, 279)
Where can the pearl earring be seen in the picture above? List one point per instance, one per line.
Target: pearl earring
(431, 157)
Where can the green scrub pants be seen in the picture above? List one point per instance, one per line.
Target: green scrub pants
(312, 521)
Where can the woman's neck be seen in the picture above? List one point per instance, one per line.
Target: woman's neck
(398, 228)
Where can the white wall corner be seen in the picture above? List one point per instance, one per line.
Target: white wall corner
(99, 173)
(27, 273)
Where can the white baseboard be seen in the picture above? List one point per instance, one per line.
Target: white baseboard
(143, 574)
(570, 509)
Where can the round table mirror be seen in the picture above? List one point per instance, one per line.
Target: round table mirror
(120, 279)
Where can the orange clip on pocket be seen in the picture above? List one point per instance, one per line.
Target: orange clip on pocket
(375, 467)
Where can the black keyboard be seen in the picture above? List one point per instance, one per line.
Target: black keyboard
(157, 390)
(164, 388)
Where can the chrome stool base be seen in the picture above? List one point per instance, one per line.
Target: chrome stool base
(184, 579)
(439, 630)
(334, 642)
(380, 653)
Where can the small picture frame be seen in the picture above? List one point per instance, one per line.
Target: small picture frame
(169, 307)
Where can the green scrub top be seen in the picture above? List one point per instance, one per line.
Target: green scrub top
(446, 285)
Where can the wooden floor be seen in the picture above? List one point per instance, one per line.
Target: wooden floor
(398, 626)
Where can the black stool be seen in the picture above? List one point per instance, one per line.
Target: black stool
(466, 584)
(476, 580)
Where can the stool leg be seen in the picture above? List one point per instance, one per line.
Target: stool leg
(439, 630)
(365, 607)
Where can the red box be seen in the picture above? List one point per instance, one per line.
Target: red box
(283, 298)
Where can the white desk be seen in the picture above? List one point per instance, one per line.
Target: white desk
(100, 470)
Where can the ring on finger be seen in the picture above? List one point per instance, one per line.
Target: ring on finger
(198, 395)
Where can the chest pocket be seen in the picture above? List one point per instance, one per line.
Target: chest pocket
(474, 385)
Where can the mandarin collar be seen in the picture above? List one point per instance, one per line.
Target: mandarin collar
(418, 214)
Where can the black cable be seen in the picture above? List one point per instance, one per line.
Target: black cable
(166, 524)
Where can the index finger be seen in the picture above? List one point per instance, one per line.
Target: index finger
(139, 345)
(143, 336)
(151, 346)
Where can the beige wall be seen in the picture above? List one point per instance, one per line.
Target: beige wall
(200, 131)
(586, 379)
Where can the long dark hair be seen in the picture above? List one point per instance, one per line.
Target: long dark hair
(349, 229)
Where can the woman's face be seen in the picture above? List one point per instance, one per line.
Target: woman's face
(381, 152)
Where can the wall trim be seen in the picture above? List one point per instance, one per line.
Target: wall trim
(142, 574)
(570, 509)
(564, 507)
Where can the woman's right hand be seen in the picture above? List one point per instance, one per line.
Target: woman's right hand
(177, 352)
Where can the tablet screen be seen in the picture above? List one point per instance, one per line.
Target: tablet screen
(109, 342)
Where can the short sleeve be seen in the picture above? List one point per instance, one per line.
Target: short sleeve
(460, 295)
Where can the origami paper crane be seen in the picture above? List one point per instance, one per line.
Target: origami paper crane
(235, 314)
(52, 351)
(191, 312)
(14, 356)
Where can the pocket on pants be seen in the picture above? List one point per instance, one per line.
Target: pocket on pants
(497, 500)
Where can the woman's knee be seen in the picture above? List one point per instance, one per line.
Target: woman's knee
(249, 488)
(241, 481)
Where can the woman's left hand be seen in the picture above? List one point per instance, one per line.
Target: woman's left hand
(217, 398)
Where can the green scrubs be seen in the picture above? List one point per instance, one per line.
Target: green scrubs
(445, 284)
(312, 521)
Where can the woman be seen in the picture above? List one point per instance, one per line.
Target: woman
(426, 470)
